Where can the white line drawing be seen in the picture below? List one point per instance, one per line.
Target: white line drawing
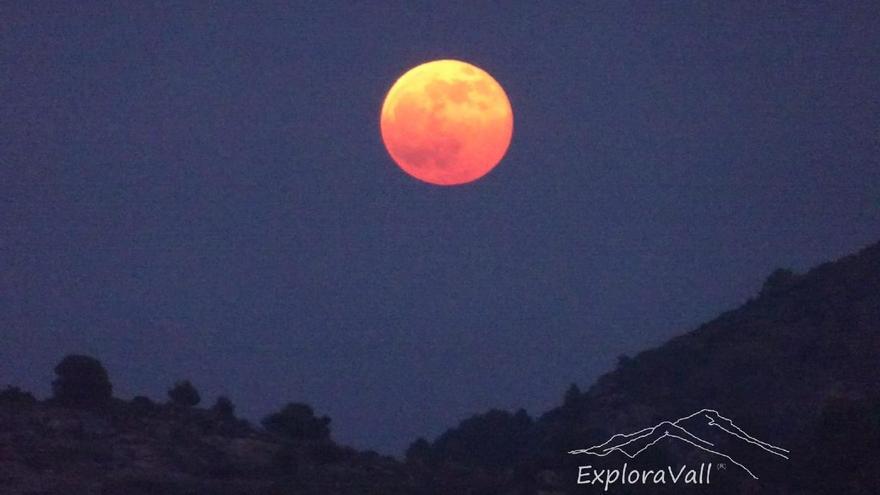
(674, 429)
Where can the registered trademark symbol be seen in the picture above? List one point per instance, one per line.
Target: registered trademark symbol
(722, 466)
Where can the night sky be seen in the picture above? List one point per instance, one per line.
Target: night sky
(201, 191)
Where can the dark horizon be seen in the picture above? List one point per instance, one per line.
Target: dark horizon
(201, 192)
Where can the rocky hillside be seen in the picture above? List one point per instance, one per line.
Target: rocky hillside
(80, 443)
(142, 448)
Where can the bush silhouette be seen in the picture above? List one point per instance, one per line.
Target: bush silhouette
(184, 394)
(224, 408)
(143, 405)
(82, 382)
(15, 395)
(297, 422)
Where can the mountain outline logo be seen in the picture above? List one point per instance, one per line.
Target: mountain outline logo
(633, 444)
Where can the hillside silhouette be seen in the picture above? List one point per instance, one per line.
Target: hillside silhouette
(796, 366)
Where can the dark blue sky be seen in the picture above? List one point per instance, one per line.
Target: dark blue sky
(193, 191)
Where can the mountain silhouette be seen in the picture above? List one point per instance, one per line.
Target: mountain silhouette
(773, 363)
(707, 420)
(796, 365)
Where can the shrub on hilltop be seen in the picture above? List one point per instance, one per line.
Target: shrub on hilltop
(297, 421)
(81, 381)
(184, 394)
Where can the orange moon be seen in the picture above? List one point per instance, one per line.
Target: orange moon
(446, 122)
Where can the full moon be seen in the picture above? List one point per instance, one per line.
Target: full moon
(446, 122)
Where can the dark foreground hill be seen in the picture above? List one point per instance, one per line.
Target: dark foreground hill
(140, 448)
(796, 367)
(131, 448)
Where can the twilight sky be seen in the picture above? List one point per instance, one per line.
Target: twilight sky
(201, 191)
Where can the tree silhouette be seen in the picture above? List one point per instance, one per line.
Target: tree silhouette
(143, 405)
(15, 395)
(297, 422)
(81, 382)
(184, 394)
(224, 408)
